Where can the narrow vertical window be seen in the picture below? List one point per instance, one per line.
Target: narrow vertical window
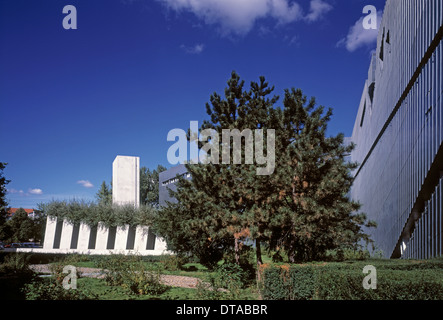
(363, 115)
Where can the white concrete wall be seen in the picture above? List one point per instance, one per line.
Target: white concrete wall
(125, 190)
(95, 252)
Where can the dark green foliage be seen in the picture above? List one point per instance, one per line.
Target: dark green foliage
(231, 275)
(18, 281)
(149, 185)
(3, 203)
(131, 273)
(104, 195)
(22, 228)
(396, 280)
(173, 262)
(14, 274)
(301, 208)
(92, 213)
(227, 282)
(14, 264)
(52, 289)
(291, 283)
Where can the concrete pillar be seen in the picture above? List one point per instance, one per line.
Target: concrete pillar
(102, 237)
(65, 241)
(126, 180)
(83, 237)
(121, 237)
(160, 244)
(51, 223)
(141, 238)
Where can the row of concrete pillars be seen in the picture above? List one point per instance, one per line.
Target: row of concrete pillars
(62, 235)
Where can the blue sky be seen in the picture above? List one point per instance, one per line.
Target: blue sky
(72, 100)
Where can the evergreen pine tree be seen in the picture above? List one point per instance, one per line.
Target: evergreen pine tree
(104, 195)
(302, 207)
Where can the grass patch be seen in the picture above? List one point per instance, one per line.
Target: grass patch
(99, 288)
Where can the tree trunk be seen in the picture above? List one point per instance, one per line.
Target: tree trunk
(236, 251)
(259, 258)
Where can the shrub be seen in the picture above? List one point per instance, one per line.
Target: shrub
(173, 262)
(286, 282)
(210, 290)
(52, 289)
(131, 273)
(15, 264)
(141, 280)
(227, 282)
(343, 254)
(396, 280)
(114, 266)
(14, 274)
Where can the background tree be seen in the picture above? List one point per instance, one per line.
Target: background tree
(104, 194)
(22, 227)
(301, 207)
(149, 185)
(3, 202)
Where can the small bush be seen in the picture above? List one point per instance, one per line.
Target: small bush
(52, 289)
(15, 264)
(131, 273)
(114, 266)
(227, 282)
(141, 280)
(173, 262)
(210, 290)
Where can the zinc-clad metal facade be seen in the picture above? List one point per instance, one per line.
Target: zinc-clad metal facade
(398, 132)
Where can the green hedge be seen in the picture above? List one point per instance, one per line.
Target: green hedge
(399, 280)
(90, 213)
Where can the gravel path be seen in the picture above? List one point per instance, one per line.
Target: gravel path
(169, 280)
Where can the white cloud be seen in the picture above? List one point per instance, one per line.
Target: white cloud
(12, 190)
(239, 16)
(284, 12)
(196, 49)
(360, 37)
(317, 10)
(85, 183)
(35, 191)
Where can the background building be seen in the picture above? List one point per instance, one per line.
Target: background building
(398, 132)
(31, 213)
(167, 181)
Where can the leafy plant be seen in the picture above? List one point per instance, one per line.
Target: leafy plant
(142, 280)
(173, 262)
(52, 289)
(132, 273)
